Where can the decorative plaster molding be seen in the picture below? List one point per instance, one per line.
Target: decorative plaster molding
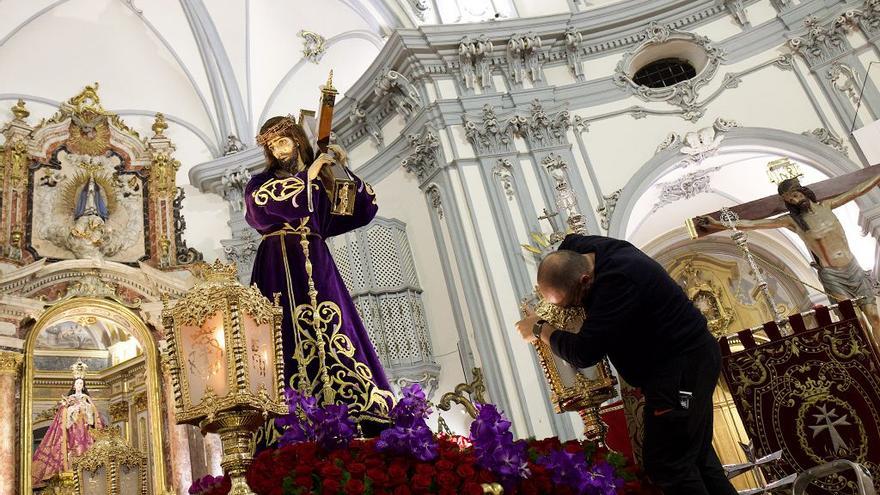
(827, 138)
(233, 145)
(844, 79)
(503, 170)
(314, 45)
(573, 42)
(698, 145)
(683, 94)
(867, 18)
(737, 9)
(420, 8)
(821, 43)
(524, 57)
(685, 187)
(607, 209)
(397, 89)
(475, 61)
(433, 194)
(242, 250)
(360, 118)
(233, 184)
(489, 137)
(543, 131)
(422, 161)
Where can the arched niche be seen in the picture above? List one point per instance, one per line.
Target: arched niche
(126, 325)
(771, 142)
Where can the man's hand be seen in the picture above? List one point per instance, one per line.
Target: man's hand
(526, 326)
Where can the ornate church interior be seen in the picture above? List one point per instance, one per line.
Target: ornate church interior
(283, 248)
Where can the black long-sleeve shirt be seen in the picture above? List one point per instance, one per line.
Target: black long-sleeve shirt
(636, 313)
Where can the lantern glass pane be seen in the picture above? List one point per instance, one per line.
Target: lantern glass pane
(94, 482)
(129, 479)
(260, 351)
(203, 358)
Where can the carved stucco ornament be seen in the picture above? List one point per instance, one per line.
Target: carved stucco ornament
(667, 42)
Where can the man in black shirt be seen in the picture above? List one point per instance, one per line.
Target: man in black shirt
(655, 338)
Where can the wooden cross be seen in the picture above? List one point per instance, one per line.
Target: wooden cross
(773, 205)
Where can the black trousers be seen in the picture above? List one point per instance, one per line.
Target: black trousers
(677, 450)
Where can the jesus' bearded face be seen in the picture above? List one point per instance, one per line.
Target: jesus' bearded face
(797, 199)
(282, 148)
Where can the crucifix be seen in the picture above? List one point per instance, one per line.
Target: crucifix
(809, 215)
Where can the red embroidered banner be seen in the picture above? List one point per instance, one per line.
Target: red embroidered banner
(814, 394)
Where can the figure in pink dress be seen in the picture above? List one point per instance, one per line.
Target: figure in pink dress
(69, 435)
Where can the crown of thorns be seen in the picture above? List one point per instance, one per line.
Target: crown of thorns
(277, 130)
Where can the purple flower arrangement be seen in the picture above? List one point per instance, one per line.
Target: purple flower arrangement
(410, 434)
(570, 469)
(495, 448)
(328, 426)
(206, 484)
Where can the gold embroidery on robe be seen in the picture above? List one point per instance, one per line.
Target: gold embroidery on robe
(279, 190)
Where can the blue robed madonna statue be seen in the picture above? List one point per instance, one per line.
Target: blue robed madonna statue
(91, 201)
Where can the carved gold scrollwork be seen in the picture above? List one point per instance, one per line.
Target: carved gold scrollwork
(468, 395)
(163, 170)
(115, 456)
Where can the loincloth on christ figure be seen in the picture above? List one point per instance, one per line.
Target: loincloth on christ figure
(850, 280)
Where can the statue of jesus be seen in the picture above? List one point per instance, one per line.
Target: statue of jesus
(327, 351)
(815, 223)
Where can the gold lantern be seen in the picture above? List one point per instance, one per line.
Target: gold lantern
(226, 363)
(572, 389)
(111, 466)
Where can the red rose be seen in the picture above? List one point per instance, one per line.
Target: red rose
(354, 487)
(466, 471)
(444, 465)
(426, 470)
(379, 477)
(303, 481)
(356, 469)
(330, 471)
(447, 480)
(402, 490)
(331, 486)
(421, 482)
(397, 473)
(472, 488)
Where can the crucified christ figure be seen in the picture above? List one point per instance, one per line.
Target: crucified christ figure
(814, 222)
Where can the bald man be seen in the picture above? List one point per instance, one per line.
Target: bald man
(655, 338)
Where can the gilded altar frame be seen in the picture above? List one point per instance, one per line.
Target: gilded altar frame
(139, 331)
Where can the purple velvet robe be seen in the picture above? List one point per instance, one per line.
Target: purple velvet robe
(278, 208)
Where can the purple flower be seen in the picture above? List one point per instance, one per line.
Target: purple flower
(495, 448)
(329, 427)
(570, 469)
(205, 484)
(410, 434)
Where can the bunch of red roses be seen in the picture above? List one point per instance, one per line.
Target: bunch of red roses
(304, 469)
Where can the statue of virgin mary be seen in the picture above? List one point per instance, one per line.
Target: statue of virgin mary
(69, 435)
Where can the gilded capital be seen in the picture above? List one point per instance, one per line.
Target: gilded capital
(10, 362)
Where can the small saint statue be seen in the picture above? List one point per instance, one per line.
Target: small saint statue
(69, 434)
(91, 201)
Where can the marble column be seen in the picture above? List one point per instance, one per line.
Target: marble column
(10, 362)
(181, 465)
(213, 454)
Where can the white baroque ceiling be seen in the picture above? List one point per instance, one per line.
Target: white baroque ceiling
(214, 67)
